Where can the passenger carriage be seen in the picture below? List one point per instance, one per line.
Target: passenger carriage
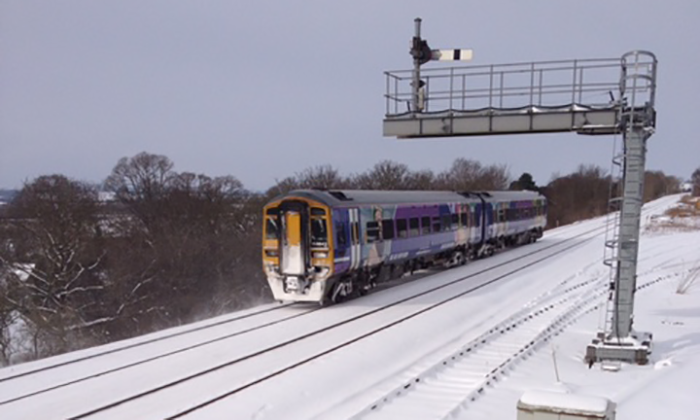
(324, 246)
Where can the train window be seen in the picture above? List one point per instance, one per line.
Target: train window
(401, 228)
(436, 224)
(413, 225)
(425, 225)
(271, 230)
(273, 212)
(446, 223)
(341, 234)
(455, 221)
(388, 229)
(317, 212)
(372, 232)
(465, 219)
(319, 233)
(501, 215)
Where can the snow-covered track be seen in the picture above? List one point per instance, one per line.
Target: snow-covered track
(19, 371)
(138, 356)
(446, 388)
(344, 340)
(439, 390)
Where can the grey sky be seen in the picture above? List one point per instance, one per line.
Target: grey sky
(262, 89)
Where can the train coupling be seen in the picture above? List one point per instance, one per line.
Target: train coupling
(295, 284)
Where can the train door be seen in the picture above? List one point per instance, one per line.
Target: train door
(342, 244)
(294, 217)
(355, 250)
(489, 228)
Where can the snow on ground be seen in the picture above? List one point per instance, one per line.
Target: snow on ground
(342, 383)
(666, 388)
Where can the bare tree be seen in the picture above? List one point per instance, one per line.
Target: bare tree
(321, 177)
(142, 182)
(470, 175)
(657, 184)
(695, 179)
(184, 241)
(55, 242)
(385, 175)
(580, 195)
(420, 180)
(8, 314)
(324, 177)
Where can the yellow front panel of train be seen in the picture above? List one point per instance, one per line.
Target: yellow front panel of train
(293, 222)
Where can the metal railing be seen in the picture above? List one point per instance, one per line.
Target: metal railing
(591, 82)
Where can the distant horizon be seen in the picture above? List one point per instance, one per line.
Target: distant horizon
(513, 177)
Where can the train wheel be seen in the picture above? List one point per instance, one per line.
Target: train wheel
(457, 258)
(341, 291)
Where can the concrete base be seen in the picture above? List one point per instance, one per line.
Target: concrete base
(635, 348)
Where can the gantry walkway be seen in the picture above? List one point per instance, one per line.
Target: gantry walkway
(582, 96)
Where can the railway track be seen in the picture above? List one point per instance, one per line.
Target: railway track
(18, 371)
(446, 388)
(291, 354)
(134, 355)
(440, 390)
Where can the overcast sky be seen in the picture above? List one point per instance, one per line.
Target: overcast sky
(264, 89)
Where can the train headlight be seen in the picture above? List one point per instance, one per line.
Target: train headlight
(271, 253)
(320, 254)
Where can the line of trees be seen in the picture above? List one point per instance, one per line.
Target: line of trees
(695, 180)
(173, 247)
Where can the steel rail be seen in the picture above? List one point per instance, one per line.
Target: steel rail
(140, 343)
(160, 356)
(319, 331)
(374, 331)
(570, 314)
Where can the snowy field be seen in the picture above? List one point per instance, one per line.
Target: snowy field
(462, 343)
(666, 388)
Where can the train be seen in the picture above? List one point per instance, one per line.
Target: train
(326, 246)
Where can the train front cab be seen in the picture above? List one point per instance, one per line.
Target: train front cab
(297, 249)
